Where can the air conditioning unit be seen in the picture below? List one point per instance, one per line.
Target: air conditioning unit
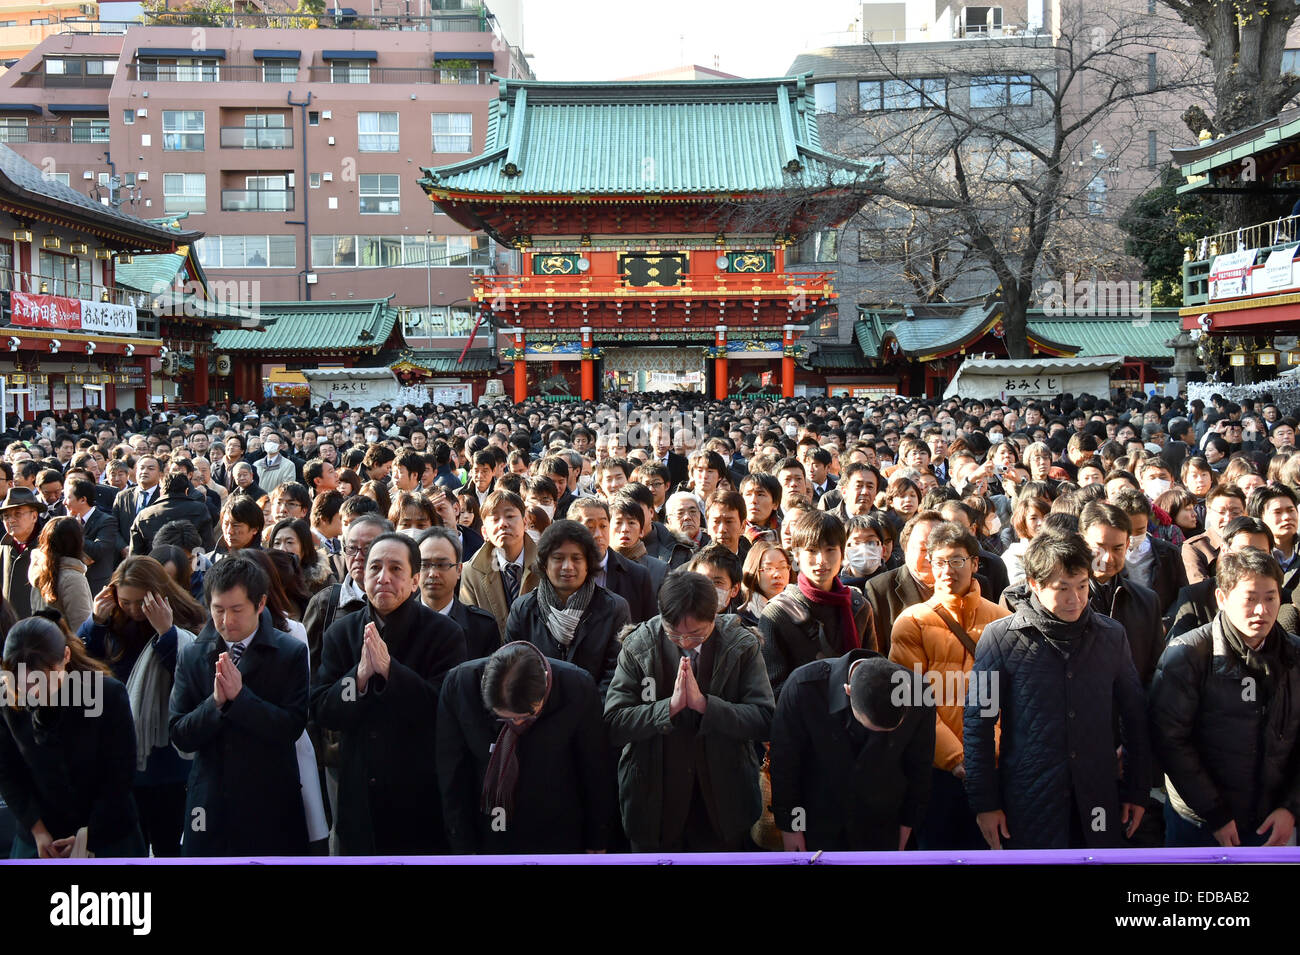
(141, 114)
(142, 176)
(327, 177)
(331, 141)
(326, 114)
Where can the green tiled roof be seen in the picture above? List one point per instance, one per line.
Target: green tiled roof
(840, 357)
(363, 325)
(445, 363)
(1133, 337)
(660, 138)
(149, 273)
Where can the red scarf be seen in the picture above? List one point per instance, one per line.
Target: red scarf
(838, 596)
(502, 777)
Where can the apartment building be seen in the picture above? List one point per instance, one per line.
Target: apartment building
(296, 152)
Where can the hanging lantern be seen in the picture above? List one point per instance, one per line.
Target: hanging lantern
(223, 365)
(1239, 357)
(1268, 355)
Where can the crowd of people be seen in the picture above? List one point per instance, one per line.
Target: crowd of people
(658, 624)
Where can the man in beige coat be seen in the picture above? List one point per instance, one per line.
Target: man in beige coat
(502, 570)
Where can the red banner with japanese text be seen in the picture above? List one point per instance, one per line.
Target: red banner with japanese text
(45, 311)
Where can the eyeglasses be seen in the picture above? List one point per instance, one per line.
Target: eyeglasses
(352, 550)
(676, 637)
(953, 563)
(441, 566)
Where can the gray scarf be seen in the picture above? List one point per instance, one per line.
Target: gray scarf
(562, 619)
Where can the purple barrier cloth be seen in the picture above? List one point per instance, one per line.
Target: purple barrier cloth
(1275, 855)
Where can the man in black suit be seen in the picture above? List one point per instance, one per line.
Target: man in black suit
(440, 562)
(616, 574)
(661, 440)
(98, 527)
(239, 703)
(130, 501)
(380, 675)
(893, 592)
(178, 505)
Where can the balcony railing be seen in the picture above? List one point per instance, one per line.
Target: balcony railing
(94, 81)
(1263, 236)
(255, 137)
(721, 285)
(13, 280)
(468, 17)
(376, 75)
(256, 200)
(387, 74)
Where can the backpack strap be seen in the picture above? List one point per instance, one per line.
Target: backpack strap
(957, 629)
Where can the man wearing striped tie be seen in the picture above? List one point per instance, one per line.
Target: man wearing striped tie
(239, 703)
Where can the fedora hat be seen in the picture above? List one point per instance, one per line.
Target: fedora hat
(22, 497)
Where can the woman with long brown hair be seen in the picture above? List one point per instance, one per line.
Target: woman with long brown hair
(138, 625)
(58, 572)
(67, 758)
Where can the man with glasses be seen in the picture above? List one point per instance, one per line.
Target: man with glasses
(939, 637)
(1223, 504)
(440, 563)
(688, 701)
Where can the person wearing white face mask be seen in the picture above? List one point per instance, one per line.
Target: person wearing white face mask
(275, 468)
(1150, 561)
(865, 553)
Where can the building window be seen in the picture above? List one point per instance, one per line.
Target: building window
(62, 273)
(280, 71)
(79, 66)
(1153, 158)
(13, 130)
(453, 132)
(377, 132)
(824, 97)
(1010, 89)
(248, 252)
(978, 21)
(818, 247)
(128, 117)
(185, 192)
(350, 71)
(1153, 76)
(313, 180)
(62, 177)
(410, 251)
(380, 194)
(313, 117)
(183, 130)
(190, 69)
(924, 93)
(90, 131)
(6, 265)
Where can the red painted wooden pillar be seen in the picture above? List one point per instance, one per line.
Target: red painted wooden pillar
(720, 364)
(787, 365)
(588, 367)
(521, 368)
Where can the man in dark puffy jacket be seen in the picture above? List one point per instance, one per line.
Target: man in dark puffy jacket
(1225, 715)
(1060, 674)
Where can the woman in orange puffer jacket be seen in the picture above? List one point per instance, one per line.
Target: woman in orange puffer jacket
(922, 639)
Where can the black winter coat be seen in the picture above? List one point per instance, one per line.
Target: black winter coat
(1137, 610)
(792, 635)
(171, 508)
(1057, 715)
(244, 797)
(855, 787)
(631, 581)
(1227, 754)
(565, 797)
(482, 635)
(388, 780)
(74, 768)
(595, 645)
(1168, 575)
